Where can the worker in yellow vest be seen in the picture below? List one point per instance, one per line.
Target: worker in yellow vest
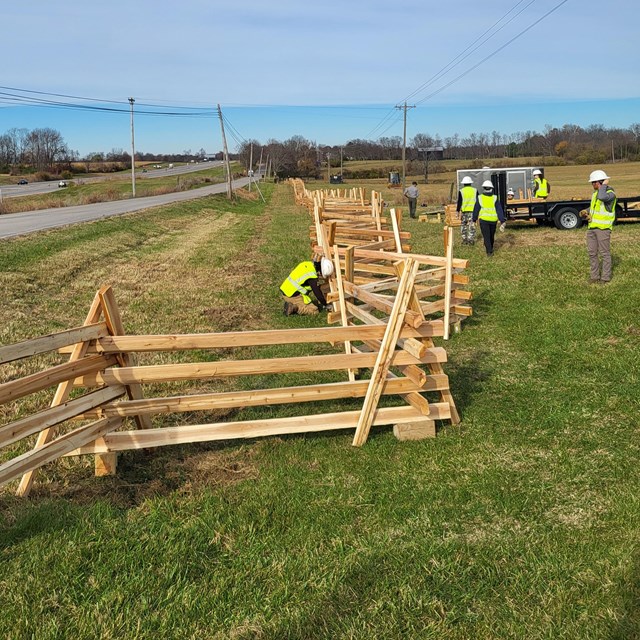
(488, 211)
(301, 282)
(601, 216)
(541, 186)
(466, 201)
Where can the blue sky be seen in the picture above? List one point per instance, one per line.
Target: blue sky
(329, 71)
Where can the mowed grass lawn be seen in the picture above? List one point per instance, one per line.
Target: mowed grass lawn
(522, 522)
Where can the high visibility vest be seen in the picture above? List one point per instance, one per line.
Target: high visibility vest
(296, 279)
(600, 217)
(488, 208)
(542, 190)
(469, 195)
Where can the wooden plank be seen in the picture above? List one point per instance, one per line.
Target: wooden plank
(419, 430)
(128, 440)
(52, 342)
(62, 393)
(200, 341)
(31, 460)
(413, 397)
(396, 230)
(343, 309)
(386, 306)
(448, 235)
(421, 259)
(210, 370)
(386, 353)
(14, 431)
(54, 375)
(116, 327)
(265, 397)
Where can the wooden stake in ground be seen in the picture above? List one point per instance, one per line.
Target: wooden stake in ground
(343, 309)
(387, 348)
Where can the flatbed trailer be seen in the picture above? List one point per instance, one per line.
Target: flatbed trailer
(565, 214)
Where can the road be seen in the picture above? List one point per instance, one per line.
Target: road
(18, 224)
(36, 188)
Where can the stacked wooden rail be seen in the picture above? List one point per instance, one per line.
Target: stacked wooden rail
(371, 242)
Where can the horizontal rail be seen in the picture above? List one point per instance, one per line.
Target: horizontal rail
(52, 376)
(55, 449)
(14, 431)
(266, 397)
(333, 335)
(127, 440)
(52, 342)
(226, 368)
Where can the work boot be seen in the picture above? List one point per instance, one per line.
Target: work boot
(594, 281)
(289, 309)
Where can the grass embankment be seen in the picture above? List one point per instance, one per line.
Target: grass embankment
(112, 188)
(520, 523)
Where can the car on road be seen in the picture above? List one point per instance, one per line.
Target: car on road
(23, 181)
(62, 183)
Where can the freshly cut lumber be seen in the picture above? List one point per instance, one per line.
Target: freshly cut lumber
(126, 440)
(52, 342)
(266, 397)
(130, 343)
(14, 431)
(210, 370)
(419, 430)
(55, 375)
(32, 460)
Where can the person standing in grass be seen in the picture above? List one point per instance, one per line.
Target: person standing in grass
(466, 201)
(601, 216)
(411, 193)
(488, 210)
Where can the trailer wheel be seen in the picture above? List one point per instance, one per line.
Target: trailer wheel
(567, 218)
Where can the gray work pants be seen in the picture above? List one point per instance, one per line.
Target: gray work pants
(599, 246)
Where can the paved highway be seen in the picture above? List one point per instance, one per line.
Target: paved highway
(36, 188)
(18, 224)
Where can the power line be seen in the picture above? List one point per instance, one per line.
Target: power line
(506, 44)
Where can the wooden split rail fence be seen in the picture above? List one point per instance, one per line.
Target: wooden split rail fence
(391, 305)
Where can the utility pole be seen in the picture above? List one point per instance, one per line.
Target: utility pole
(226, 155)
(250, 172)
(260, 172)
(328, 167)
(404, 107)
(133, 154)
(341, 162)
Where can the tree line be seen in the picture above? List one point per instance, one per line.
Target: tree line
(44, 149)
(571, 144)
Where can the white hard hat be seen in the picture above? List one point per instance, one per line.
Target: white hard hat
(537, 172)
(487, 184)
(467, 180)
(326, 267)
(598, 175)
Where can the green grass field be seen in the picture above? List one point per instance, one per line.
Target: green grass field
(522, 522)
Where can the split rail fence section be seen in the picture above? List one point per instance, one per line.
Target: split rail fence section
(391, 304)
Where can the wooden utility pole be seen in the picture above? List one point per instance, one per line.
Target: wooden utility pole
(250, 172)
(260, 172)
(133, 155)
(328, 167)
(404, 107)
(226, 156)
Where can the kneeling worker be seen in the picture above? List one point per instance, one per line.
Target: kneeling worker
(301, 282)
